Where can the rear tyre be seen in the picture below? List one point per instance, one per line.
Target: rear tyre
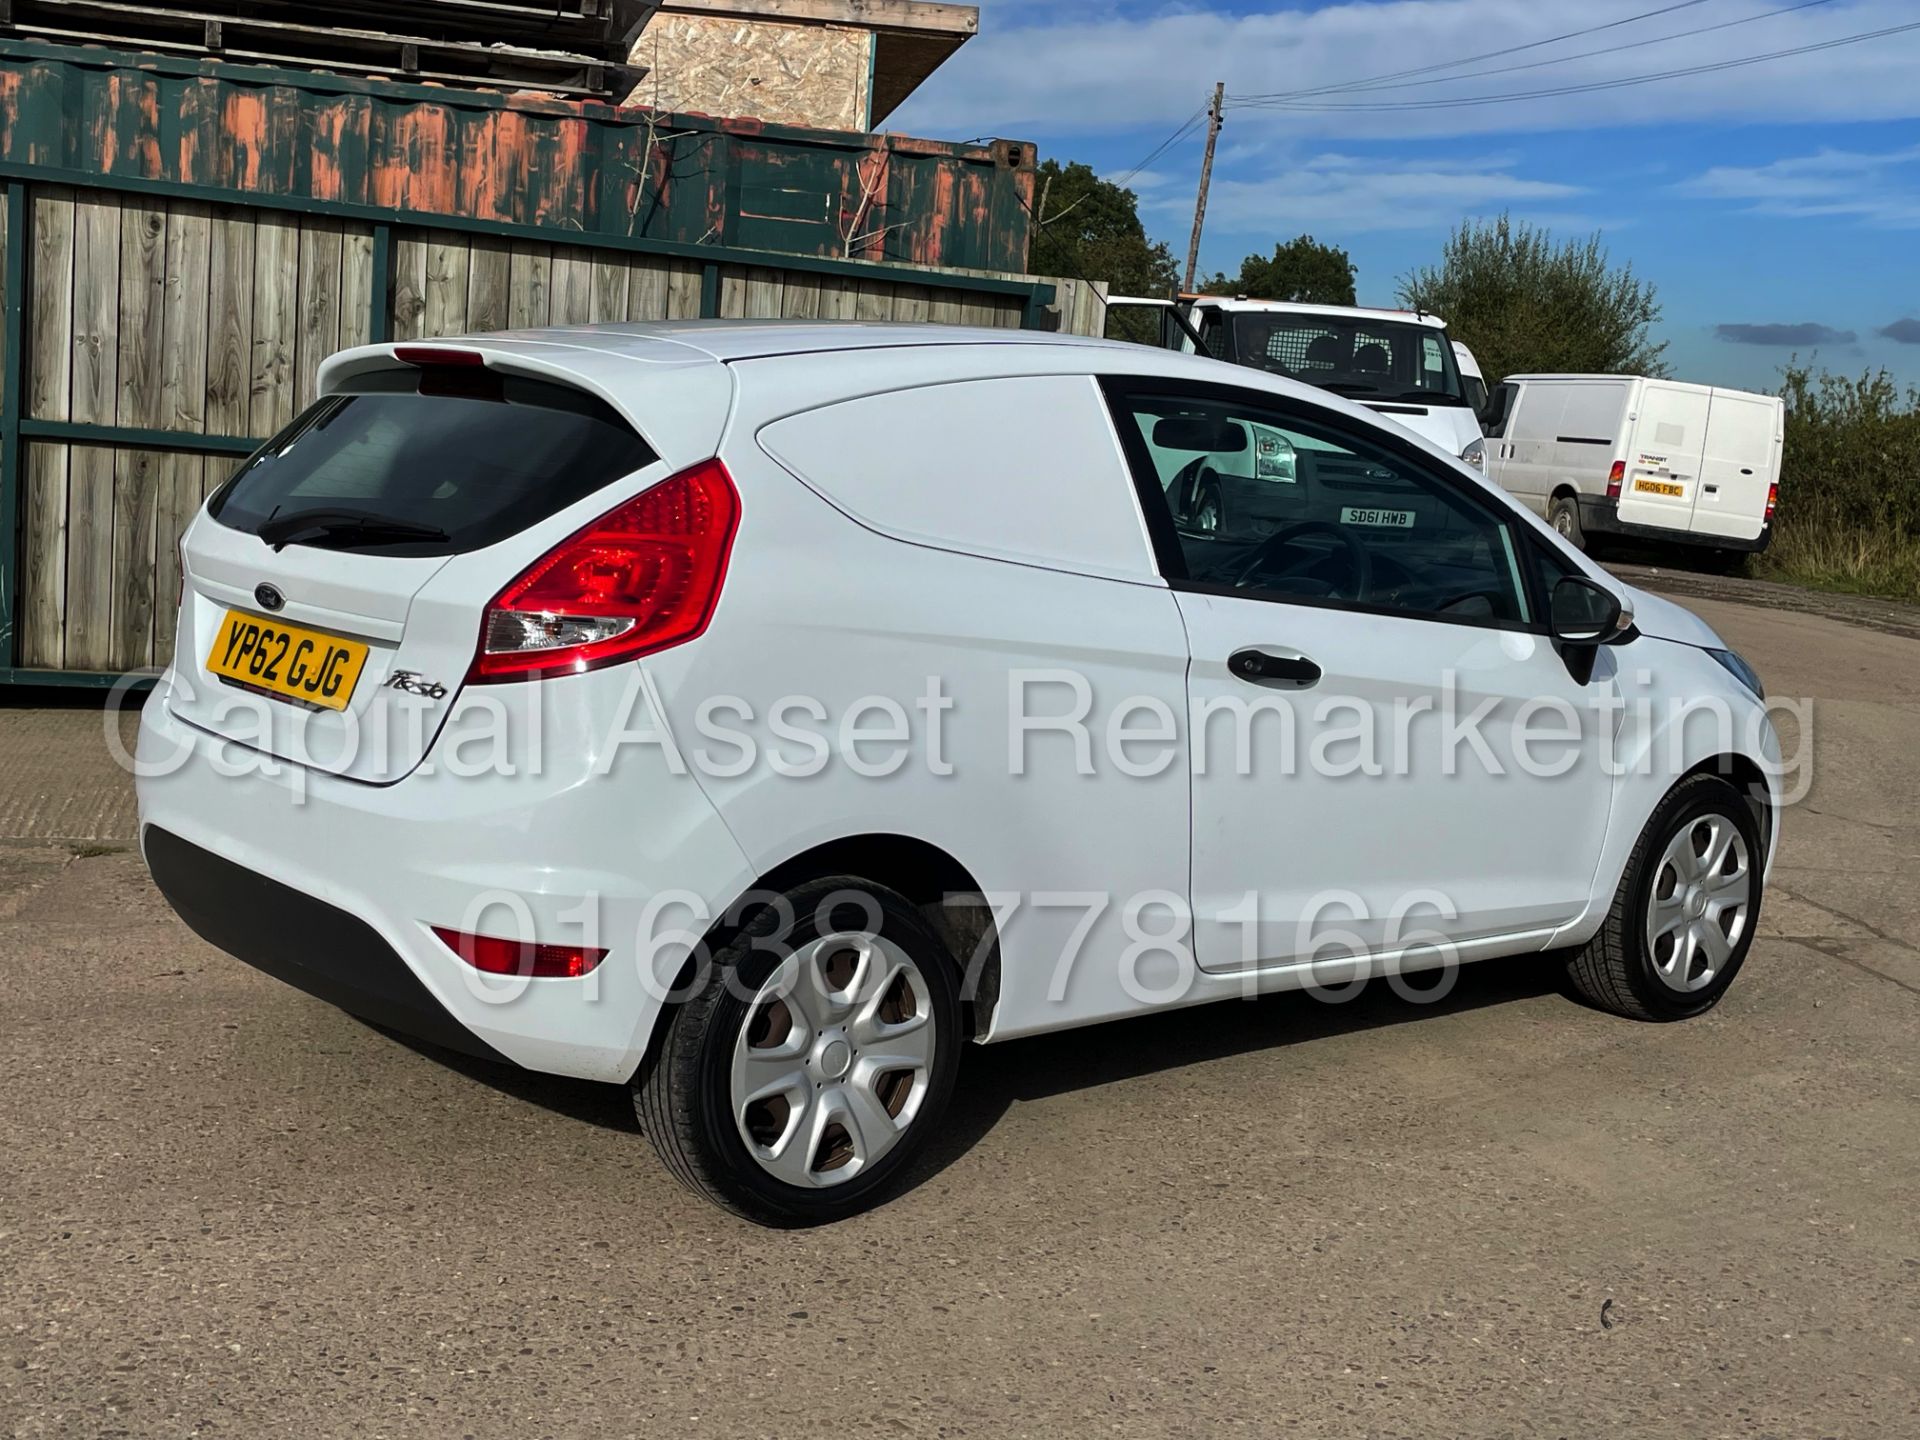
(808, 1069)
(1564, 515)
(1684, 916)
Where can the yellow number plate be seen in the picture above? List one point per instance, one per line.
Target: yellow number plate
(1660, 487)
(287, 659)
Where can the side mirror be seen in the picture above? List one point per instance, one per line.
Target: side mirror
(1583, 613)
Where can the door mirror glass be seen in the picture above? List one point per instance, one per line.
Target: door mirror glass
(1583, 613)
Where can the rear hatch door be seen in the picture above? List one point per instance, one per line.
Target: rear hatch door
(1740, 464)
(1662, 479)
(310, 629)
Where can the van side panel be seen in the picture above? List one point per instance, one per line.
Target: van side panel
(1663, 464)
(1741, 461)
(1588, 435)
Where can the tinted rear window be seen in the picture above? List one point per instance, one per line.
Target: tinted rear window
(477, 456)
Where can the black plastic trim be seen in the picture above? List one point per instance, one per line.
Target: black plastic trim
(309, 944)
(1601, 516)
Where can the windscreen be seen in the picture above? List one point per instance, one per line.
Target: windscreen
(429, 462)
(1366, 358)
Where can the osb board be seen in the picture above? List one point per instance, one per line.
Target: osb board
(814, 75)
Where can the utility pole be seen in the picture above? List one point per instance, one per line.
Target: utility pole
(1215, 116)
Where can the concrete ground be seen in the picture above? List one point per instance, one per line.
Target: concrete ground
(226, 1209)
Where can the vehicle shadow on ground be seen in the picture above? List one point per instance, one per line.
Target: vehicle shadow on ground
(994, 1078)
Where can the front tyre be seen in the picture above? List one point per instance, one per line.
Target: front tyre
(810, 1067)
(1683, 919)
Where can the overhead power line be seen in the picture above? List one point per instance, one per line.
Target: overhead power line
(1622, 82)
(1473, 59)
(1370, 88)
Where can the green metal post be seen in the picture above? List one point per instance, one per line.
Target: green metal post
(11, 405)
(710, 291)
(380, 323)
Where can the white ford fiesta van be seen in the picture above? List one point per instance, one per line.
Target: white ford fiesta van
(1397, 363)
(756, 714)
(1653, 459)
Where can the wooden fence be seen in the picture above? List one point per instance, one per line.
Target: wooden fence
(160, 337)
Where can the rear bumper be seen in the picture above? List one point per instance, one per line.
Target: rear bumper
(335, 886)
(311, 945)
(1600, 516)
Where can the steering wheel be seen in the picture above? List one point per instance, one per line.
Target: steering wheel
(1357, 553)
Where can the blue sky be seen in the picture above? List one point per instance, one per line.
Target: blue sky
(1775, 205)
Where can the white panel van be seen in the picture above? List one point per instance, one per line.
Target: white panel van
(1651, 459)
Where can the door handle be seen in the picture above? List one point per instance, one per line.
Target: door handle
(1280, 671)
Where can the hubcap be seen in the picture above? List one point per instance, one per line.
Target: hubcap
(833, 1060)
(1701, 903)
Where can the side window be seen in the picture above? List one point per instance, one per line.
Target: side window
(1296, 507)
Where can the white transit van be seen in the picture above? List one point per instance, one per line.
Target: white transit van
(1399, 363)
(1650, 459)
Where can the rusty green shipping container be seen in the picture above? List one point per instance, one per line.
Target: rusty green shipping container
(522, 160)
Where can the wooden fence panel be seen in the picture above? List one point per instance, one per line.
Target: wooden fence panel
(489, 285)
(152, 313)
(530, 296)
(316, 330)
(41, 617)
(230, 325)
(647, 289)
(88, 616)
(572, 286)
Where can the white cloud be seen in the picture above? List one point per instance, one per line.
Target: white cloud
(1066, 66)
(1348, 195)
(1878, 188)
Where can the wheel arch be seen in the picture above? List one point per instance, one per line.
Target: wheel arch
(1747, 776)
(933, 880)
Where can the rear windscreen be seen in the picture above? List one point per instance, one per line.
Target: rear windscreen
(427, 462)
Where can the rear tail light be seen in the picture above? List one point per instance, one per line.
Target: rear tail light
(643, 577)
(1773, 499)
(521, 957)
(1615, 478)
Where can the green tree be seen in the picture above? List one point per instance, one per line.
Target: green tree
(1303, 270)
(1086, 227)
(1522, 302)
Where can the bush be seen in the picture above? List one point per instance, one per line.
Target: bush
(1849, 515)
(1525, 303)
